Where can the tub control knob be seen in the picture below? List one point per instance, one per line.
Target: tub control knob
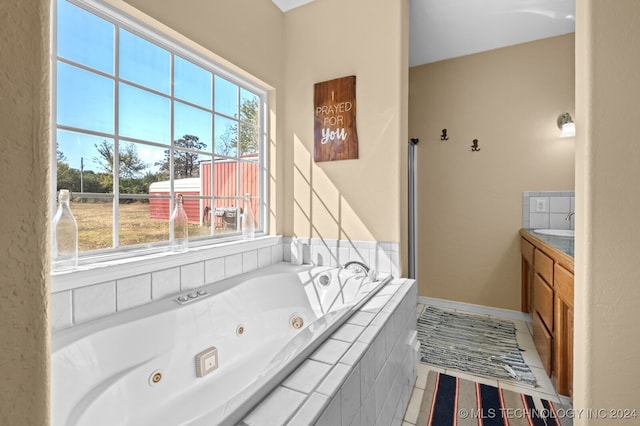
(182, 298)
(202, 292)
(192, 295)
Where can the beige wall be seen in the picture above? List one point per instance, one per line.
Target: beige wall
(351, 199)
(470, 203)
(248, 36)
(607, 288)
(24, 161)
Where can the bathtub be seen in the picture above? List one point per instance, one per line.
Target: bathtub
(139, 367)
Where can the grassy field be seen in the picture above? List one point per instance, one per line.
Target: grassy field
(95, 226)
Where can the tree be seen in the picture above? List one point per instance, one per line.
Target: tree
(248, 132)
(130, 164)
(67, 177)
(61, 157)
(185, 163)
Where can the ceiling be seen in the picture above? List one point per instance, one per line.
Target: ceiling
(443, 29)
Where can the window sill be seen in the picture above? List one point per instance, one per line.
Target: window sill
(139, 264)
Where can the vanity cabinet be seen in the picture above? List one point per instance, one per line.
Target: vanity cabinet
(547, 294)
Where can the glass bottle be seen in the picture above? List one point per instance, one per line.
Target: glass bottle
(248, 220)
(179, 224)
(64, 244)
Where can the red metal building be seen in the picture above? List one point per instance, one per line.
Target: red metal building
(197, 193)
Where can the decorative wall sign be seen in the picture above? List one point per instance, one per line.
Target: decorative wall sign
(335, 135)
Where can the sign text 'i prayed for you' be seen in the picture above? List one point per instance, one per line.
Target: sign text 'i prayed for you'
(335, 135)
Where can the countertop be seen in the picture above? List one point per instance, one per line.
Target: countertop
(562, 244)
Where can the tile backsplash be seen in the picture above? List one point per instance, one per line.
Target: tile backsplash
(548, 209)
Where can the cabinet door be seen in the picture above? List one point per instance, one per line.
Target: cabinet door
(563, 347)
(543, 301)
(526, 249)
(563, 284)
(543, 341)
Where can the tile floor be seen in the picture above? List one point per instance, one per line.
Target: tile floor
(525, 339)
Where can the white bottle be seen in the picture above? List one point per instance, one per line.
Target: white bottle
(64, 244)
(179, 225)
(248, 220)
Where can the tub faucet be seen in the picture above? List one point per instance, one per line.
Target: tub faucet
(356, 266)
(569, 216)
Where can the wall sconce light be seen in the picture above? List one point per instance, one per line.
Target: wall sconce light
(566, 124)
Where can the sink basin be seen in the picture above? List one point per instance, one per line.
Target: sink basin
(569, 233)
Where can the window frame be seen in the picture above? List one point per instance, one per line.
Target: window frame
(121, 20)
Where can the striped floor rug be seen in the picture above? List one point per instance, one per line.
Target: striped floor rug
(450, 400)
(476, 344)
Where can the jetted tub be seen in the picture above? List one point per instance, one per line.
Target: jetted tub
(139, 368)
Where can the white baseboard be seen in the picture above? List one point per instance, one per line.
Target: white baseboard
(475, 309)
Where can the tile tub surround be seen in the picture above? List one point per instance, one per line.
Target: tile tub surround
(556, 205)
(363, 374)
(379, 255)
(92, 293)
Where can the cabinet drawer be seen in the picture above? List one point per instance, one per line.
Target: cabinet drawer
(527, 250)
(543, 301)
(563, 284)
(543, 341)
(543, 265)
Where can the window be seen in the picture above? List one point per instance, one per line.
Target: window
(140, 119)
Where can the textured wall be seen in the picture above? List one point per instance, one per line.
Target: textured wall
(470, 203)
(24, 212)
(607, 290)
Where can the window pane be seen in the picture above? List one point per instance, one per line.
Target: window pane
(144, 63)
(186, 165)
(249, 107)
(136, 224)
(140, 166)
(160, 208)
(157, 160)
(193, 122)
(226, 182)
(85, 38)
(151, 122)
(198, 215)
(249, 184)
(199, 193)
(226, 132)
(95, 223)
(85, 100)
(131, 164)
(226, 196)
(84, 162)
(226, 97)
(191, 83)
(248, 140)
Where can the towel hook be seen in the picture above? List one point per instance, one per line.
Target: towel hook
(474, 147)
(443, 136)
